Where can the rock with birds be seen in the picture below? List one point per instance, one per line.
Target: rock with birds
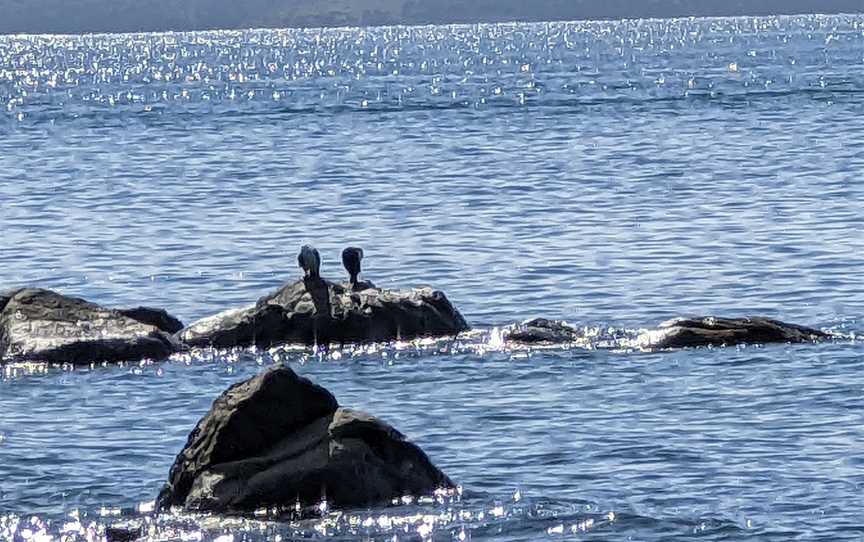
(314, 310)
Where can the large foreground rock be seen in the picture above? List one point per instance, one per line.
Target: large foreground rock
(277, 440)
(314, 311)
(679, 333)
(42, 325)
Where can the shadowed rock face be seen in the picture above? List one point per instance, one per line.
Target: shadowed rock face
(315, 311)
(42, 325)
(713, 331)
(4, 298)
(277, 439)
(680, 333)
(158, 318)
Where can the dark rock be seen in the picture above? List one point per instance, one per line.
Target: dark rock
(360, 286)
(678, 333)
(42, 325)
(315, 311)
(5, 296)
(158, 318)
(541, 330)
(713, 331)
(277, 441)
(122, 534)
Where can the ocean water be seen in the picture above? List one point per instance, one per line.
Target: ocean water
(614, 174)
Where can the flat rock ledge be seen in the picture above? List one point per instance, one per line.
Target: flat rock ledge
(315, 311)
(42, 325)
(278, 442)
(680, 333)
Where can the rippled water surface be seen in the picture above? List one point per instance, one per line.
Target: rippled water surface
(614, 174)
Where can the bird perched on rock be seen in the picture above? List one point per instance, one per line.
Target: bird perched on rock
(310, 261)
(351, 258)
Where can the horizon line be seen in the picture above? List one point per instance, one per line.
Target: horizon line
(425, 25)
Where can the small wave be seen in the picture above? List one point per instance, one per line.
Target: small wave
(154, 114)
(410, 518)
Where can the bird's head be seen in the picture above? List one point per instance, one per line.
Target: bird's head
(309, 260)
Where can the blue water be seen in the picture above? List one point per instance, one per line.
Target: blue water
(611, 173)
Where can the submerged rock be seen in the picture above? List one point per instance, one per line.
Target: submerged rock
(315, 311)
(714, 331)
(122, 534)
(541, 330)
(277, 441)
(41, 325)
(678, 333)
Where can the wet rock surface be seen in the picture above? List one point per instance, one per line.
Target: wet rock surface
(41, 325)
(122, 534)
(542, 330)
(315, 311)
(279, 441)
(158, 318)
(679, 333)
(714, 331)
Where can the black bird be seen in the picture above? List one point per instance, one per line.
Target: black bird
(310, 261)
(351, 258)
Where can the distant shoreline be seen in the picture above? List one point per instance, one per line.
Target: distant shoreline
(53, 17)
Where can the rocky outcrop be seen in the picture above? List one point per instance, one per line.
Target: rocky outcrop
(42, 325)
(678, 333)
(315, 311)
(277, 441)
(713, 331)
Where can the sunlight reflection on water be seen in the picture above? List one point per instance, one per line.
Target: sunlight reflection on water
(613, 174)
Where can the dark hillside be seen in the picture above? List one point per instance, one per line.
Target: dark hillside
(77, 16)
